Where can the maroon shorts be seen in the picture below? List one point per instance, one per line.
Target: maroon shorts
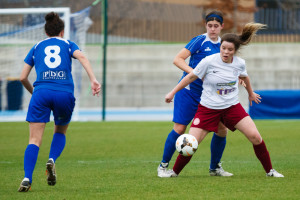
(208, 119)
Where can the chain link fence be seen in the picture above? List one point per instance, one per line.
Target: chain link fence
(160, 21)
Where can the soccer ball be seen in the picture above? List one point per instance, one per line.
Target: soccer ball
(186, 144)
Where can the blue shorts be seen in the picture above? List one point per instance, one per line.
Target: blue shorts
(185, 106)
(43, 101)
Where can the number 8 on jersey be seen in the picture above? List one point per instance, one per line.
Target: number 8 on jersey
(52, 54)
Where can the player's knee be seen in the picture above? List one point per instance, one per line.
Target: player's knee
(255, 138)
(222, 131)
(35, 141)
(179, 128)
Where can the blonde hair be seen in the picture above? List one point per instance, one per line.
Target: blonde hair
(248, 32)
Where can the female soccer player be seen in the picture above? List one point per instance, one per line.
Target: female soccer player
(219, 100)
(187, 100)
(53, 91)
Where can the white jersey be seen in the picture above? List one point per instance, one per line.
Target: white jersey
(220, 81)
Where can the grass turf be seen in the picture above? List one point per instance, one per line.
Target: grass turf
(118, 160)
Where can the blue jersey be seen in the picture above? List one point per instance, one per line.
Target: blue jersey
(200, 47)
(52, 59)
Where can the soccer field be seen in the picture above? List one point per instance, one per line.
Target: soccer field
(118, 160)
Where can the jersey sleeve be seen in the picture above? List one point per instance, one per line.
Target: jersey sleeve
(30, 57)
(243, 71)
(73, 47)
(202, 67)
(195, 44)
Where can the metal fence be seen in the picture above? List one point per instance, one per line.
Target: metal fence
(282, 18)
(134, 21)
(154, 21)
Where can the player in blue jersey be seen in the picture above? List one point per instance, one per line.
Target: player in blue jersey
(53, 91)
(186, 101)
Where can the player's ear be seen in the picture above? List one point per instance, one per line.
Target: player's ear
(61, 34)
(222, 26)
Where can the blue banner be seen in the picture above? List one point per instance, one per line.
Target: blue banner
(277, 104)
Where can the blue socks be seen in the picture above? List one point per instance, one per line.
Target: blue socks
(170, 146)
(32, 151)
(217, 147)
(30, 158)
(57, 145)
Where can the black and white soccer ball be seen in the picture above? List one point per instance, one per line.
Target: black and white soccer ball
(186, 144)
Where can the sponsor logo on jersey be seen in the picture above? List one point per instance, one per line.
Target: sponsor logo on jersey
(207, 49)
(54, 75)
(227, 84)
(225, 91)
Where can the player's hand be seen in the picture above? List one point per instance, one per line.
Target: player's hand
(254, 97)
(96, 87)
(169, 97)
(241, 82)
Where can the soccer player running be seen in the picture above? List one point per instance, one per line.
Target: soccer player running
(187, 100)
(53, 91)
(219, 100)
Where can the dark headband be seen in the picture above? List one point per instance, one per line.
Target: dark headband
(216, 16)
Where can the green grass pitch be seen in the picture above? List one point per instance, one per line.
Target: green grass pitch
(118, 160)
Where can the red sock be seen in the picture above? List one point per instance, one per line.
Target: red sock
(181, 162)
(263, 156)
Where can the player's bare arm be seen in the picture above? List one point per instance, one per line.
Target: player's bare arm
(95, 85)
(180, 58)
(252, 95)
(241, 82)
(24, 78)
(182, 84)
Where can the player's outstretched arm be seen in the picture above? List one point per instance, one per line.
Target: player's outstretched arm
(24, 78)
(95, 85)
(182, 84)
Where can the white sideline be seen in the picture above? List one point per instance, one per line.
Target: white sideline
(125, 114)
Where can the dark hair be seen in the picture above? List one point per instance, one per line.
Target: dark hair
(54, 25)
(214, 15)
(248, 32)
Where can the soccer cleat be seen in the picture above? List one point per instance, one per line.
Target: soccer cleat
(274, 173)
(168, 174)
(219, 171)
(50, 170)
(162, 167)
(25, 185)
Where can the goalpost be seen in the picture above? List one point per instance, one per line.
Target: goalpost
(65, 11)
(20, 29)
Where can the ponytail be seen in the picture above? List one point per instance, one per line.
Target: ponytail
(248, 32)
